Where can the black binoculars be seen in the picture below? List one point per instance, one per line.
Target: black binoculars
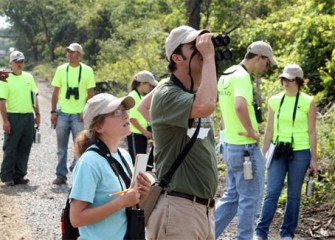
(222, 41)
(283, 149)
(258, 113)
(72, 91)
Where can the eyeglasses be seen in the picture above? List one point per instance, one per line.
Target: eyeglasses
(288, 80)
(118, 113)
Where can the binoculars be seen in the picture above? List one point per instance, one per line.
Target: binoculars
(222, 41)
(72, 91)
(283, 149)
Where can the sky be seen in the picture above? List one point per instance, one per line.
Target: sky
(3, 23)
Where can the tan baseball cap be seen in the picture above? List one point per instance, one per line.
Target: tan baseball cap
(76, 47)
(180, 35)
(104, 103)
(16, 56)
(264, 49)
(291, 71)
(146, 76)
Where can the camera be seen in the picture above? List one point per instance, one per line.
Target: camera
(222, 41)
(258, 113)
(72, 91)
(283, 149)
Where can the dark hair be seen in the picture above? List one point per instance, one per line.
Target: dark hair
(88, 137)
(250, 55)
(298, 80)
(172, 65)
(134, 84)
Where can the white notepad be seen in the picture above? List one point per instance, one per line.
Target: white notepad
(269, 155)
(140, 165)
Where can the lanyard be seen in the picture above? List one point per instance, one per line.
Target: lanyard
(67, 75)
(293, 116)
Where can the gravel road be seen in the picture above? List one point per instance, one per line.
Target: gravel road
(33, 211)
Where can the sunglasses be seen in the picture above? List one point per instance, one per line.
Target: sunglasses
(288, 80)
(118, 113)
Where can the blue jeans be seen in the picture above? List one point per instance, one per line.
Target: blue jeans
(296, 170)
(242, 196)
(66, 123)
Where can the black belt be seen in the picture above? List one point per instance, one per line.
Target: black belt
(207, 202)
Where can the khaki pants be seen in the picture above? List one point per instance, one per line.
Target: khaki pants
(179, 218)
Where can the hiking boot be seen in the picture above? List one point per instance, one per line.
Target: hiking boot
(21, 180)
(59, 181)
(10, 183)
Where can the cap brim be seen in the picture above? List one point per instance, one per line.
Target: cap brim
(287, 76)
(193, 35)
(273, 60)
(18, 59)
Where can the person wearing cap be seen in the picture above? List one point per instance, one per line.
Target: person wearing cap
(98, 215)
(241, 141)
(142, 83)
(177, 107)
(73, 85)
(292, 120)
(20, 113)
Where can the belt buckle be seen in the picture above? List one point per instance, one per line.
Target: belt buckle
(209, 203)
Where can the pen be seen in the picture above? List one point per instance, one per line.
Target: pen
(117, 193)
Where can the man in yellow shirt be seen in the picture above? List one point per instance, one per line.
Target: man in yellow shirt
(16, 107)
(73, 85)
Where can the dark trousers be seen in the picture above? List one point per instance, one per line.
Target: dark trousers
(137, 143)
(17, 146)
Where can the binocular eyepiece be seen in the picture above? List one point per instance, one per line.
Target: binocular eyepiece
(72, 91)
(222, 41)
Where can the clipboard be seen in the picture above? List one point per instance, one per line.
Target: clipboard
(269, 155)
(140, 165)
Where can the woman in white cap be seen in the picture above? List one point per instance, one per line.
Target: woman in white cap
(102, 169)
(142, 83)
(291, 127)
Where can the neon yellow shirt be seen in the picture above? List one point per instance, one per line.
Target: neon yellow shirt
(17, 92)
(300, 129)
(236, 84)
(60, 79)
(135, 114)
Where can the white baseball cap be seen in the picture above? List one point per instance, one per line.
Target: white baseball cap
(76, 47)
(178, 36)
(291, 71)
(16, 56)
(264, 49)
(104, 103)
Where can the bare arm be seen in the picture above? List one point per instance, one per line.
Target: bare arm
(90, 93)
(205, 100)
(268, 131)
(82, 214)
(145, 132)
(37, 113)
(54, 100)
(243, 115)
(144, 105)
(3, 111)
(312, 136)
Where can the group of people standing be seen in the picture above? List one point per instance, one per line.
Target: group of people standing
(170, 114)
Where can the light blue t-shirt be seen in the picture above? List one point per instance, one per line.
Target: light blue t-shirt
(92, 180)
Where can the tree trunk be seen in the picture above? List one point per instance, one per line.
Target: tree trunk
(193, 13)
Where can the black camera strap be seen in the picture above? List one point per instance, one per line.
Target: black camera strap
(293, 115)
(67, 75)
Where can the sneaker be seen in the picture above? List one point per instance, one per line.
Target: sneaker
(10, 183)
(59, 181)
(21, 180)
(287, 238)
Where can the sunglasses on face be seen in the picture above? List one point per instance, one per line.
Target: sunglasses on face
(288, 80)
(118, 113)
